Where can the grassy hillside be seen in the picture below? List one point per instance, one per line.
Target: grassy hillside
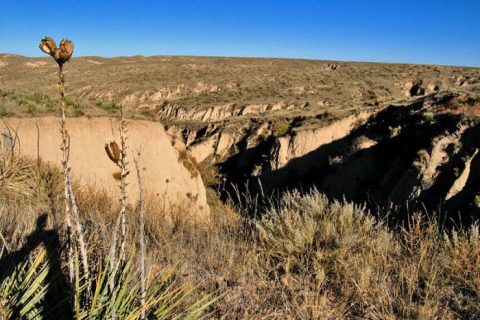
(196, 82)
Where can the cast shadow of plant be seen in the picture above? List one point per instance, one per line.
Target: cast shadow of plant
(56, 303)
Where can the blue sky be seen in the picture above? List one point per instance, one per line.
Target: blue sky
(433, 32)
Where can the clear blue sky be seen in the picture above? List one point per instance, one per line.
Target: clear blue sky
(413, 31)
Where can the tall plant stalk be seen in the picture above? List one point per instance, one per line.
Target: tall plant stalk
(123, 183)
(121, 219)
(65, 147)
(142, 235)
(61, 55)
(113, 265)
(72, 215)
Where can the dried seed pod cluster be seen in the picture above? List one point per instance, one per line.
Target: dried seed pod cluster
(113, 152)
(61, 54)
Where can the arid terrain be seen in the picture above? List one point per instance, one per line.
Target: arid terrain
(326, 189)
(152, 83)
(381, 134)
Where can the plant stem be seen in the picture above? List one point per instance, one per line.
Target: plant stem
(66, 154)
(121, 219)
(142, 235)
(78, 226)
(113, 265)
(123, 184)
(70, 202)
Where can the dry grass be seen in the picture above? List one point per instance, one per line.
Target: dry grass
(16, 175)
(307, 258)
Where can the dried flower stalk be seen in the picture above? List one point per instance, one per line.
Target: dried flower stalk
(65, 147)
(123, 183)
(142, 235)
(62, 55)
(118, 156)
(73, 208)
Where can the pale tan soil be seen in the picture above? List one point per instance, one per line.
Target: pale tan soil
(461, 181)
(439, 155)
(308, 140)
(164, 176)
(36, 64)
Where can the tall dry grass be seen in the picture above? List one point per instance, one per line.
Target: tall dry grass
(306, 258)
(165, 296)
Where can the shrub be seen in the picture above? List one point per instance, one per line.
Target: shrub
(281, 129)
(348, 264)
(3, 110)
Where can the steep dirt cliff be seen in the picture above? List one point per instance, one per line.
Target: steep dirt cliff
(417, 155)
(165, 177)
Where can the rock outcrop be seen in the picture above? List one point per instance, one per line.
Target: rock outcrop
(221, 112)
(421, 155)
(462, 179)
(432, 87)
(413, 88)
(303, 141)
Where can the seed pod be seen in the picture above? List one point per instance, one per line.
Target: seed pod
(63, 54)
(60, 56)
(109, 153)
(48, 46)
(113, 152)
(66, 48)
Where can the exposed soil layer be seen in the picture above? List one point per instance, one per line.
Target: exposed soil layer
(415, 156)
(165, 176)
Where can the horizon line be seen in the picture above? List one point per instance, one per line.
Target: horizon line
(248, 57)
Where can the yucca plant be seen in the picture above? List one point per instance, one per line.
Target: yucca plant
(22, 285)
(164, 299)
(109, 288)
(61, 55)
